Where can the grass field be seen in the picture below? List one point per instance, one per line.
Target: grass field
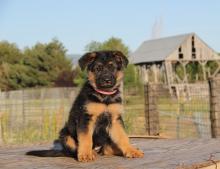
(40, 121)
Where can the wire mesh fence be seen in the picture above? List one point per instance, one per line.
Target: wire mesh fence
(186, 114)
(34, 115)
(134, 110)
(37, 115)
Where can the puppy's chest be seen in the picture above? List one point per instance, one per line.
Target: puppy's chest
(100, 109)
(103, 121)
(103, 115)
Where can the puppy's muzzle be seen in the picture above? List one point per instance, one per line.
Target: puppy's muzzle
(106, 81)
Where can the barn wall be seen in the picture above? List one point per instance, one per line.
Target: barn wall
(203, 51)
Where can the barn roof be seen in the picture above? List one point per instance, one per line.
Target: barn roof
(157, 49)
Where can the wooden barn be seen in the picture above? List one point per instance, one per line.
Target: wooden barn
(157, 59)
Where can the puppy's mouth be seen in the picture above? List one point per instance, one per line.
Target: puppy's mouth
(105, 85)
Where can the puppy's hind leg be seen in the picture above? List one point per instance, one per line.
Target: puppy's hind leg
(110, 149)
(70, 143)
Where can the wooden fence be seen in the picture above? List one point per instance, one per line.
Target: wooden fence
(215, 106)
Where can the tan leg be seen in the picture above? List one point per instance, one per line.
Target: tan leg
(85, 152)
(121, 139)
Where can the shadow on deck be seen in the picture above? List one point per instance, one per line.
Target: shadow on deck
(159, 154)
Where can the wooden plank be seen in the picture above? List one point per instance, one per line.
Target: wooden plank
(147, 137)
(205, 165)
(159, 154)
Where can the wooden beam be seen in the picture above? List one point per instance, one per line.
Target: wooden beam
(146, 74)
(154, 69)
(142, 68)
(163, 69)
(217, 70)
(203, 63)
(169, 72)
(184, 63)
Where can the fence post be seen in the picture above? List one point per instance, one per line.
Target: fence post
(151, 112)
(23, 115)
(1, 114)
(214, 86)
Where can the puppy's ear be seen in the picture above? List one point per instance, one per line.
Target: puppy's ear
(121, 59)
(86, 59)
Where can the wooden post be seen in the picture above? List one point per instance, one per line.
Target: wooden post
(151, 113)
(146, 77)
(142, 68)
(1, 114)
(23, 93)
(169, 72)
(214, 85)
(154, 68)
(184, 63)
(203, 63)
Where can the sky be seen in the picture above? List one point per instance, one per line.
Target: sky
(77, 22)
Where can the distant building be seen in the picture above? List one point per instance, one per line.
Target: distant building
(156, 59)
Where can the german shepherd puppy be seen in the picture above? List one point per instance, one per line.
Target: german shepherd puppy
(95, 119)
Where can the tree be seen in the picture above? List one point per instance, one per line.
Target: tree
(9, 53)
(194, 72)
(4, 71)
(110, 44)
(48, 60)
(131, 78)
(80, 76)
(93, 46)
(65, 79)
(10, 58)
(211, 66)
(41, 65)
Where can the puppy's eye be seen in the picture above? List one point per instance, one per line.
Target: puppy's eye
(99, 68)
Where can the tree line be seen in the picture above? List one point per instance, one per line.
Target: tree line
(47, 64)
(40, 65)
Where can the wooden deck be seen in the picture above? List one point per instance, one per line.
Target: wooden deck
(159, 154)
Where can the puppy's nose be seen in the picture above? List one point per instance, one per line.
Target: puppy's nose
(107, 81)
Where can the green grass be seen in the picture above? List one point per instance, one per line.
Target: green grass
(37, 124)
(42, 124)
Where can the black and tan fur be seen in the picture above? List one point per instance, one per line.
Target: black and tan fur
(95, 119)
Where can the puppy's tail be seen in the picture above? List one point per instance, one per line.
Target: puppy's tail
(57, 151)
(47, 153)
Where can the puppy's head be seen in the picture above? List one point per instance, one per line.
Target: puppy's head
(105, 68)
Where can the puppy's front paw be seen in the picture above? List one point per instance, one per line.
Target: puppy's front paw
(133, 153)
(87, 156)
